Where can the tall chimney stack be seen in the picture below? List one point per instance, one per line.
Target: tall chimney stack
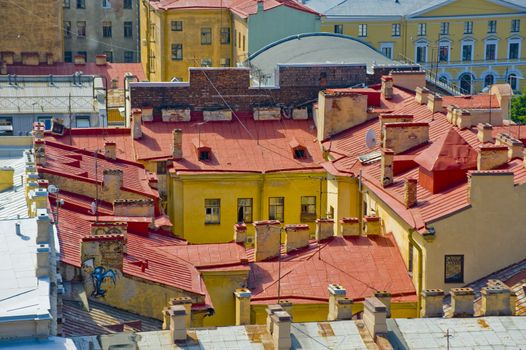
(177, 143)
(136, 124)
(386, 170)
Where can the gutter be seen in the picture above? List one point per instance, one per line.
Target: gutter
(420, 266)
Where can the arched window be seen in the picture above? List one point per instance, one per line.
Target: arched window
(443, 79)
(513, 81)
(489, 80)
(466, 82)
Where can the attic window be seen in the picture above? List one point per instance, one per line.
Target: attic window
(204, 155)
(299, 153)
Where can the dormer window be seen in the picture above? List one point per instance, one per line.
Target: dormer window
(298, 151)
(204, 155)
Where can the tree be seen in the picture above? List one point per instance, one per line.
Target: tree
(518, 109)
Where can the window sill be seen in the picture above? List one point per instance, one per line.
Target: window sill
(212, 223)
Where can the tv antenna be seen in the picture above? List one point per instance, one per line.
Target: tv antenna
(370, 139)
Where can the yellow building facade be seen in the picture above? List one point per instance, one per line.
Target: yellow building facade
(467, 44)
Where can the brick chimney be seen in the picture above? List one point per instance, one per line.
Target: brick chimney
(268, 239)
(432, 303)
(136, 124)
(484, 132)
(375, 316)
(30, 58)
(495, 300)
(79, 60)
(410, 191)
(340, 307)
(39, 149)
(43, 226)
(270, 310)
(394, 118)
(110, 150)
(372, 225)
(177, 147)
(515, 146)
(242, 296)
(101, 60)
(134, 207)
(491, 157)
(147, 114)
(6, 177)
(421, 95)
(177, 323)
(101, 228)
(281, 323)
(350, 227)
(42, 266)
(296, 236)
(38, 130)
(403, 136)
(49, 58)
(385, 298)
(463, 118)
(240, 233)
(387, 87)
(386, 167)
(462, 302)
(324, 229)
(112, 180)
(434, 102)
(451, 115)
(186, 302)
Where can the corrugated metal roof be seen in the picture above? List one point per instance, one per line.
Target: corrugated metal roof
(12, 201)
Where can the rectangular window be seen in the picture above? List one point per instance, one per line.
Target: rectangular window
(68, 56)
(443, 53)
(82, 121)
(239, 39)
(454, 269)
(106, 29)
(106, 4)
(276, 208)
(128, 29)
(444, 28)
(421, 54)
(243, 43)
(67, 29)
(338, 28)
(206, 36)
(81, 4)
(177, 52)
(81, 29)
(127, 4)
(515, 25)
(225, 35)
(362, 30)
(491, 52)
(212, 211)
(109, 56)
(225, 62)
(387, 51)
(244, 210)
(513, 51)
(492, 26)
(152, 64)
(46, 120)
(129, 57)
(308, 208)
(206, 62)
(67, 4)
(177, 26)
(468, 27)
(467, 52)
(395, 30)
(161, 168)
(410, 258)
(6, 126)
(422, 29)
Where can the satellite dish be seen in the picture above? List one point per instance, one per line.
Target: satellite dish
(370, 139)
(52, 189)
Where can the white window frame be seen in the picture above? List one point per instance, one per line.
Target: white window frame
(468, 27)
(362, 30)
(387, 46)
(512, 29)
(467, 43)
(444, 25)
(396, 29)
(491, 41)
(419, 30)
(514, 41)
(421, 44)
(448, 44)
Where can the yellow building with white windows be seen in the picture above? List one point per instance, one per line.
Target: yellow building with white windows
(467, 44)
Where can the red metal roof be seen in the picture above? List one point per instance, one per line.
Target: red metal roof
(362, 265)
(110, 70)
(472, 101)
(68, 161)
(236, 146)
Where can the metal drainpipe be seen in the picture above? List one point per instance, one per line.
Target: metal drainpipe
(420, 267)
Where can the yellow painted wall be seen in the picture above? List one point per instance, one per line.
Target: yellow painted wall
(241, 31)
(456, 14)
(115, 117)
(342, 196)
(221, 286)
(16, 141)
(189, 193)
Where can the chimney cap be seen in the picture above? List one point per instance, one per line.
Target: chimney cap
(266, 222)
(336, 289)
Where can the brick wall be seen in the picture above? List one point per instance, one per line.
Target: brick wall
(297, 85)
